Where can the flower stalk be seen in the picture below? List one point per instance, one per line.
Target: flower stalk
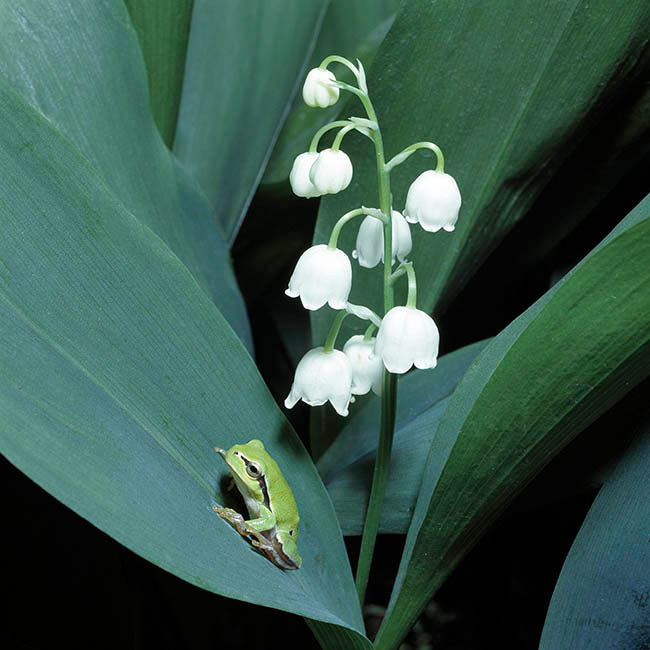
(406, 336)
(389, 381)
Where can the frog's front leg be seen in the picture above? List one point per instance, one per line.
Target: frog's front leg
(252, 527)
(232, 517)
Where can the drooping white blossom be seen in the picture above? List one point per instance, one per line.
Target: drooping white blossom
(433, 201)
(331, 171)
(407, 337)
(320, 377)
(299, 176)
(322, 275)
(318, 90)
(370, 240)
(367, 368)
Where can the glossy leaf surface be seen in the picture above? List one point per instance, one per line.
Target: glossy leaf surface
(244, 62)
(113, 396)
(80, 65)
(119, 373)
(600, 598)
(163, 28)
(549, 374)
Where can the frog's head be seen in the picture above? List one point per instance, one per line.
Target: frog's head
(246, 463)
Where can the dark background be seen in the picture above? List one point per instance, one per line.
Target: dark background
(71, 586)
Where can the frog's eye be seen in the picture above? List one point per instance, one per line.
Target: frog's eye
(253, 470)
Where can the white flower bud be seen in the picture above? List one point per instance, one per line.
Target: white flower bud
(322, 275)
(433, 200)
(331, 171)
(407, 337)
(370, 241)
(322, 376)
(367, 368)
(299, 176)
(318, 91)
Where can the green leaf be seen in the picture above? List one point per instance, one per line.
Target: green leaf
(244, 61)
(508, 90)
(616, 150)
(335, 637)
(353, 30)
(600, 598)
(540, 382)
(347, 466)
(163, 28)
(120, 376)
(79, 65)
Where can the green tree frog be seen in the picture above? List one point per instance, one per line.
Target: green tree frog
(270, 503)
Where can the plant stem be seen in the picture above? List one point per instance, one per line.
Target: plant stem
(403, 155)
(313, 147)
(389, 381)
(336, 231)
(334, 331)
(367, 335)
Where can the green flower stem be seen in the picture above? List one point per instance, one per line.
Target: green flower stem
(340, 135)
(412, 299)
(334, 331)
(407, 267)
(389, 380)
(403, 155)
(367, 335)
(313, 147)
(339, 59)
(334, 237)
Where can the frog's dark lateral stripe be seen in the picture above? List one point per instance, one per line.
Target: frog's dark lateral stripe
(261, 481)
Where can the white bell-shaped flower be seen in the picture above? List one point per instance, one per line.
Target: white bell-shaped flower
(322, 275)
(433, 201)
(299, 176)
(367, 368)
(331, 171)
(370, 241)
(318, 90)
(407, 337)
(320, 377)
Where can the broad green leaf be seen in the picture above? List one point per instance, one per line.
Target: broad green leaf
(616, 149)
(163, 28)
(79, 64)
(540, 382)
(354, 30)
(601, 595)
(347, 466)
(120, 376)
(244, 62)
(335, 637)
(508, 90)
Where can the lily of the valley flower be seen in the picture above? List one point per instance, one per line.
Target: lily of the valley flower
(433, 201)
(318, 90)
(320, 377)
(407, 337)
(331, 172)
(299, 176)
(370, 241)
(367, 368)
(322, 275)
